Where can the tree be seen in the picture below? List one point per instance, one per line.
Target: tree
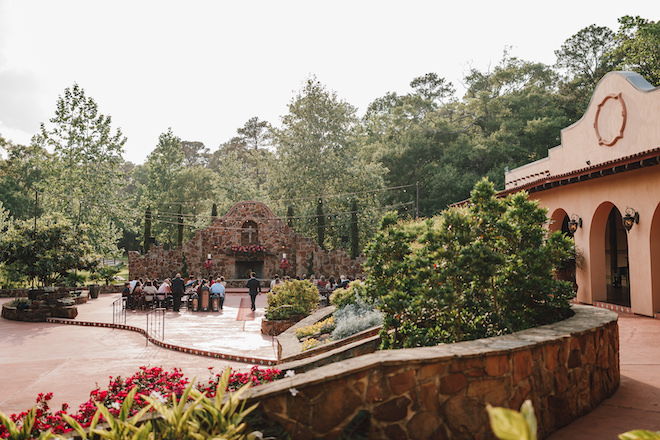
(317, 155)
(355, 238)
(585, 57)
(195, 153)
(638, 47)
(254, 137)
(586, 54)
(320, 224)
(255, 133)
(87, 153)
(21, 174)
(50, 252)
(179, 238)
(472, 272)
(214, 212)
(147, 229)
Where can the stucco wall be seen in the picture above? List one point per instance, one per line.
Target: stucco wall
(566, 369)
(592, 201)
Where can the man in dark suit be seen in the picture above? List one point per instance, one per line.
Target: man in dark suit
(255, 289)
(178, 287)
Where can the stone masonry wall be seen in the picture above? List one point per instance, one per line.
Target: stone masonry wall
(274, 234)
(441, 392)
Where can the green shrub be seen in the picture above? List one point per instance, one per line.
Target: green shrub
(302, 296)
(349, 295)
(472, 272)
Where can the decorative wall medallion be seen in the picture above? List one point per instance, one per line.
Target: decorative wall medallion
(610, 120)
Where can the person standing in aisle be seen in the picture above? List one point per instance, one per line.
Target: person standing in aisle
(178, 287)
(255, 289)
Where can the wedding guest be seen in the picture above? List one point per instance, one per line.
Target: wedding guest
(218, 289)
(163, 291)
(255, 289)
(178, 289)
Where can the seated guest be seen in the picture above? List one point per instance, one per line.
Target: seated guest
(343, 282)
(126, 294)
(150, 290)
(218, 289)
(163, 291)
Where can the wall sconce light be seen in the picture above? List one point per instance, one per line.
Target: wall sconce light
(574, 223)
(630, 219)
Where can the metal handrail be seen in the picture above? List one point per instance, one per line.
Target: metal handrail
(119, 311)
(156, 326)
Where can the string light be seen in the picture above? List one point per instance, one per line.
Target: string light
(199, 218)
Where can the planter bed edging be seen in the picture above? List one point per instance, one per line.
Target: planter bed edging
(566, 369)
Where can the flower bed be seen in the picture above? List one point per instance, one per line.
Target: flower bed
(154, 383)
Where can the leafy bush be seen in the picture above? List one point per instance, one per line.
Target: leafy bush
(355, 318)
(325, 326)
(473, 272)
(302, 296)
(348, 295)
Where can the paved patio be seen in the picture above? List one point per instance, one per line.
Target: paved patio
(71, 360)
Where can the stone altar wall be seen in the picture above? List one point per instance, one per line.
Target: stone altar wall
(566, 369)
(273, 234)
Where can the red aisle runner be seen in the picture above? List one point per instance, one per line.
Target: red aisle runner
(244, 312)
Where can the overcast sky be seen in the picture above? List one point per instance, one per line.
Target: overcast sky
(205, 67)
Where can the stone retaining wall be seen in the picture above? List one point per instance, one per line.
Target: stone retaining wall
(42, 305)
(566, 369)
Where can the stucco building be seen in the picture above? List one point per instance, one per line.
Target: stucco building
(603, 182)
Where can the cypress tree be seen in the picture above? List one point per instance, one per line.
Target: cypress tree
(355, 240)
(179, 239)
(289, 216)
(147, 229)
(214, 212)
(320, 227)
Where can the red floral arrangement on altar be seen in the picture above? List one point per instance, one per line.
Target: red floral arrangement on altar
(208, 264)
(284, 265)
(252, 249)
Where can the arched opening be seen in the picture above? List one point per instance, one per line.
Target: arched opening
(654, 243)
(559, 222)
(617, 268)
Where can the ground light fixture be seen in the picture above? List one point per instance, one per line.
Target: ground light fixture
(574, 223)
(630, 219)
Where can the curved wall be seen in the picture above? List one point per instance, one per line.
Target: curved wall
(566, 369)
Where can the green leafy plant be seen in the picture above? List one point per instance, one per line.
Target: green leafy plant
(639, 434)
(23, 429)
(473, 272)
(75, 279)
(107, 273)
(508, 424)
(302, 296)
